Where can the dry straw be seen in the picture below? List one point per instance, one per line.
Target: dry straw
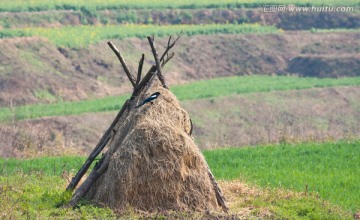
(154, 163)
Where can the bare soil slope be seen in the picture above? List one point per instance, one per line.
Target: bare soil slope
(33, 70)
(274, 117)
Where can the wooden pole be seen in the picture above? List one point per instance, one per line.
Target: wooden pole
(123, 63)
(141, 63)
(98, 148)
(99, 169)
(219, 196)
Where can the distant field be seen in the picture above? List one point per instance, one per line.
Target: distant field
(197, 90)
(332, 169)
(81, 36)
(26, 5)
(315, 30)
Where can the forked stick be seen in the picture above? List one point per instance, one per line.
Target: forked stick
(170, 45)
(168, 58)
(157, 61)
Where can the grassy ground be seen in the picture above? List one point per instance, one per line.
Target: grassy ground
(33, 188)
(197, 90)
(82, 36)
(50, 166)
(331, 169)
(39, 196)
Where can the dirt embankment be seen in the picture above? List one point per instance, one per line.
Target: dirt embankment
(33, 70)
(283, 116)
(283, 20)
(323, 66)
(249, 119)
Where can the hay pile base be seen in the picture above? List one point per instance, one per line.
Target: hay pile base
(154, 163)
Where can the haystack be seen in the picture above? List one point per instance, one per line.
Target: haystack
(155, 163)
(152, 162)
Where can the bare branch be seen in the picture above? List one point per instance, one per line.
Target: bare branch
(170, 45)
(168, 58)
(158, 65)
(169, 41)
(123, 63)
(152, 70)
(141, 63)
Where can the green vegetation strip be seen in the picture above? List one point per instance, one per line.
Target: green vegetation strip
(44, 5)
(315, 30)
(331, 169)
(82, 36)
(51, 166)
(197, 90)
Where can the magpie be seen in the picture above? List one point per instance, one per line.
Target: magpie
(150, 99)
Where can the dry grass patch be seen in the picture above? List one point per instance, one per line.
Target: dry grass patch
(247, 201)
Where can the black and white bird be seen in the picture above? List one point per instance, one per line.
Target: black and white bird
(150, 99)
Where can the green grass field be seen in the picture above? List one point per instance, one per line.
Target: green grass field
(51, 166)
(331, 169)
(27, 5)
(39, 196)
(197, 90)
(82, 36)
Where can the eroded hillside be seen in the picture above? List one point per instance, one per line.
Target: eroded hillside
(34, 70)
